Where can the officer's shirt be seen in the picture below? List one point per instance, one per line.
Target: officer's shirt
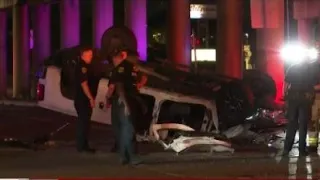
(126, 74)
(302, 77)
(85, 72)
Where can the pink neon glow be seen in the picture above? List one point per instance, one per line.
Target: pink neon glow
(70, 23)
(137, 22)
(103, 10)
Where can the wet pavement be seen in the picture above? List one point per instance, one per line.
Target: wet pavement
(61, 160)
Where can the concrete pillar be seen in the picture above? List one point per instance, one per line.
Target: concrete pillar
(70, 23)
(230, 34)
(41, 34)
(269, 42)
(179, 34)
(21, 55)
(41, 40)
(304, 31)
(136, 20)
(102, 19)
(3, 53)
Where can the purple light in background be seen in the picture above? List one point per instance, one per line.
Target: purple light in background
(136, 20)
(103, 19)
(41, 33)
(3, 52)
(31, 39)
(70, 23)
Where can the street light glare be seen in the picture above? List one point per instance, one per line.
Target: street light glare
(298, 53)
(313, 53)
(294, 53)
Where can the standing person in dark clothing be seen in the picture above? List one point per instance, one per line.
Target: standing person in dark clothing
(123, 81)
(112, 101)
(86, 91)
(301, 83)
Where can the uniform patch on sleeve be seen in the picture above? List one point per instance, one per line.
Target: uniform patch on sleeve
(121, 70)
(84, 70)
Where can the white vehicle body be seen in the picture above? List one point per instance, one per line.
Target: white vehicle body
(54, 100)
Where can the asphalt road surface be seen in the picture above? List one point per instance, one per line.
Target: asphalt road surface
(61, 159)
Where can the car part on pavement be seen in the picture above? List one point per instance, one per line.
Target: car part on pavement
(39, 143)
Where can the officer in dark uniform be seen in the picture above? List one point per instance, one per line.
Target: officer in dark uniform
(112, 101)
(86, 91)
(123, 81)
(301, 82)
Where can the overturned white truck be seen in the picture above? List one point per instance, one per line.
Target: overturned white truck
(219, 107)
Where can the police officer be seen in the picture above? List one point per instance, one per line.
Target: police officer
(301, 83)
(112, 100)
(86, 91)
(123, 81)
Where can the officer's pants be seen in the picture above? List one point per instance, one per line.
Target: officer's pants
(126, 134)
(299, 114)
(115, 121)
(84, 112)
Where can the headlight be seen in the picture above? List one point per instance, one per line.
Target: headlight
(313, 53)
(298, 53)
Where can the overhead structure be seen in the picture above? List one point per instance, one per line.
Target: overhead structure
(305, 11)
